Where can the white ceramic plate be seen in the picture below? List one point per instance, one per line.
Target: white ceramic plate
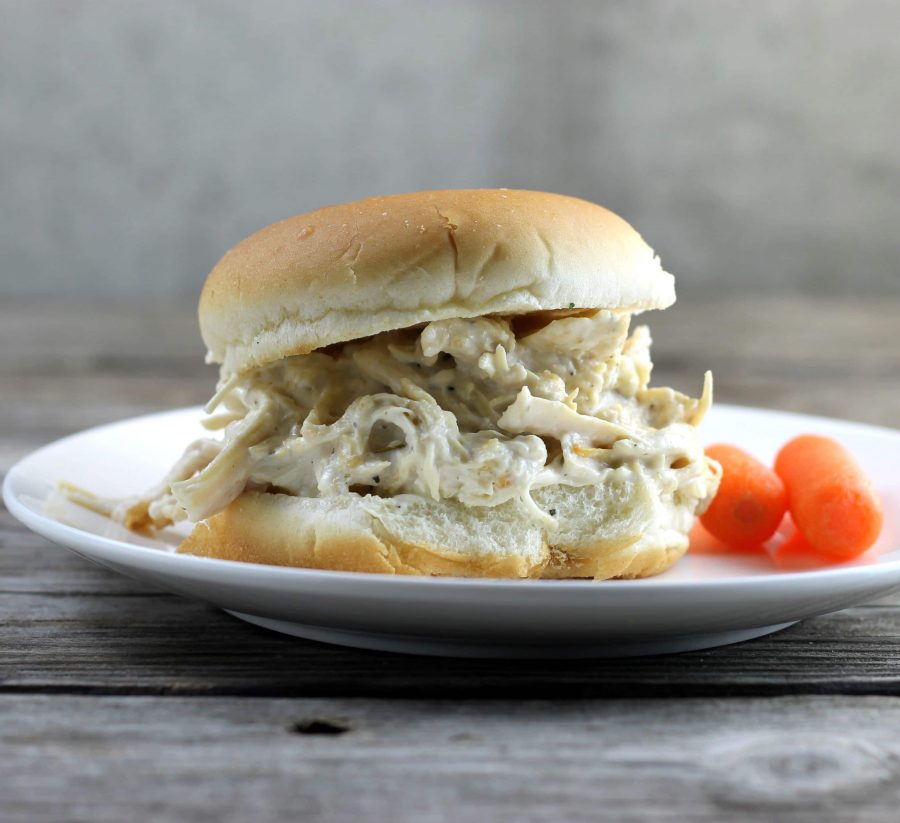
(705, 600)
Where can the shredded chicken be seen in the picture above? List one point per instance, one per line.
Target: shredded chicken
(458, 409)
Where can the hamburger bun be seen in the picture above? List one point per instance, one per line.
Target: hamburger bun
(346, 272)
(605, 532)
(353, 270)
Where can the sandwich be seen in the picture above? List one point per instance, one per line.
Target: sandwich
(438, 383)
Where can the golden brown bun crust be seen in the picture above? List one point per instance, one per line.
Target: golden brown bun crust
(348, 271)
(281, 530)
(270, 529)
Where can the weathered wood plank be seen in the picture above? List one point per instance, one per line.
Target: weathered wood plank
(233, 759)
(67, 365)
(70, 625)
(50, 338)
(67, 625)
(148, 643)
(40, 409)
(86, 364)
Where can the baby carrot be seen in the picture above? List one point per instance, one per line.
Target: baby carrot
(830, 498)
(793, 552)
(750, 503)
(703, 542)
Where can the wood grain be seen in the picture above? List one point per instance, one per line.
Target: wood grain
(234, 759)
(156, 644)
(121, 702)
(66, 365)
(69, 626)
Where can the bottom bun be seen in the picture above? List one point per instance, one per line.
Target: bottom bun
(620, 529)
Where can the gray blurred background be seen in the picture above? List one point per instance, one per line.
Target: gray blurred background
(754, 144)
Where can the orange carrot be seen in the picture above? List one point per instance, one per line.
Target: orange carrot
(703, 542)
(750, 502)
(795, 553)
(831, 500)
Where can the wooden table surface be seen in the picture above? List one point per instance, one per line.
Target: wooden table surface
(120, 702)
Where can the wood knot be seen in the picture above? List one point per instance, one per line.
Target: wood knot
(326, 727)
(805, 772)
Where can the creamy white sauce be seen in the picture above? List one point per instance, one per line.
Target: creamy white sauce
(459, 409)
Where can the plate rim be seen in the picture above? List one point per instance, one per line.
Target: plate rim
(42, 524)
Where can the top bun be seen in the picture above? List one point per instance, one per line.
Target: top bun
(344, 272)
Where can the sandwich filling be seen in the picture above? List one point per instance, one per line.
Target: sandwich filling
(482, 411)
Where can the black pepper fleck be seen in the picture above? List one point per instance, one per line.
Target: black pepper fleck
(571, 305)
(553, 512)
(376, 479)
